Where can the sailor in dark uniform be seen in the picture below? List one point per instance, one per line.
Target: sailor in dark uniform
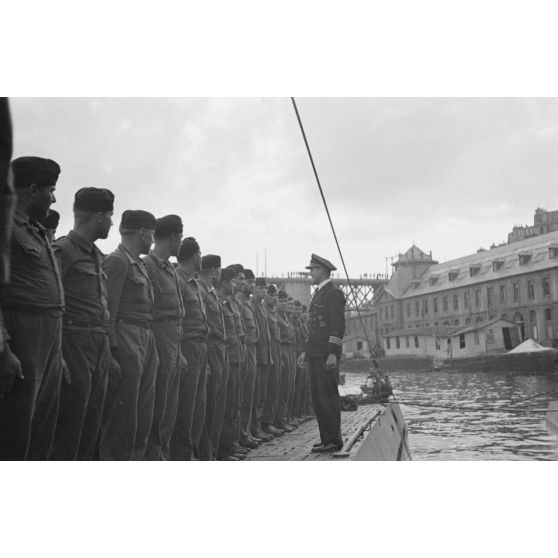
(326, 328)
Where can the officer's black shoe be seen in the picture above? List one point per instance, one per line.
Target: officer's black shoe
(318, 445)
(240, 449)
(326, 448)
(228, 458)
(287, 428)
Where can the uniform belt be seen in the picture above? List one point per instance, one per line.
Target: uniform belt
(54, 311)
(175, 321)
(146, 324)
(91, 328)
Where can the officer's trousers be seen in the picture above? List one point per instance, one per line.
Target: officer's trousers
(286, 382)
(191, 402)
(247, 395)
(129, 405)
(87, 354)
(216, 395)
(28, 414)
(167, 340)
(325, 398)
(269, 409)
(226, 440)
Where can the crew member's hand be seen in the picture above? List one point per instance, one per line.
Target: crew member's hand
(115, 373)
(66, 372)
(183, 364)
(331, 362)
(10, 368)
(301, 360)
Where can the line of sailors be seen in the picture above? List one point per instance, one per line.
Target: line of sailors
(125, 357)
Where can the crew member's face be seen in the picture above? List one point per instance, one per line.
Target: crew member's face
(271, 300)
(260, 292)
(215, 276)
(282, 304)
(146, 235)
(175, 242)
(249, 286)
(240, 281)
(197, 261)
(43, 198)
(290, 307)
(104, 221)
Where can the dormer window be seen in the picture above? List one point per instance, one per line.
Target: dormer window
(433, 279)
(473, 270)
(497, 264)
(415, 284)
(553, 251)
(452, 275)
(524, 257)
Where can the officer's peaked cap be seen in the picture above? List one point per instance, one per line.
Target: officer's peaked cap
(316, 260)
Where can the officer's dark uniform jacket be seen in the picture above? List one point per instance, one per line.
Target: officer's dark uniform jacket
(326, 323)
(130, 291)
(35, 282)
(234, 305)
(85, 287)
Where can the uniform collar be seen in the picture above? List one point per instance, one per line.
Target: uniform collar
(323, 283)
(163, 264)
(76, 238)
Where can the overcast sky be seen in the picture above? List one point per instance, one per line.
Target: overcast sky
(449, 174)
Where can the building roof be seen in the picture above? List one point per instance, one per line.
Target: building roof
(431, 331)
(482, 325)
(536, 250)
(414, 255)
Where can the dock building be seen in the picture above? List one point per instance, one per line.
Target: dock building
(517, 282)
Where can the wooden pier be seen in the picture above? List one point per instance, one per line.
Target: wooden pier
(375, 432)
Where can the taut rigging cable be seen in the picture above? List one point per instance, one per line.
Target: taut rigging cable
(331, 224)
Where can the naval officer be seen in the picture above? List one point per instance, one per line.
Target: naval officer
(323, 348)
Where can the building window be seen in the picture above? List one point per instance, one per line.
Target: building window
(462, 341)
(359, 345)
(437, 343)
(533, 323)
(407, 344)
(546, 286)
(392, 312)
(408, 309)
(476, 337)
(446, 323)
(489, 295)
(425, 305)
(530, 290)
(548, 323)
(467, 321)
(477, 298)
(397, 343)
(489, 336)
(466, 301)
(455, 302)
(388, 344)
(417, 308)
(502, 294)
(516, 292)
(435, 305)
(456, 322)
(416, 341)
(445, 305)
(548, 314)
(381, 313)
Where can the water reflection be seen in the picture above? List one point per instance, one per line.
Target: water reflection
(484, 431)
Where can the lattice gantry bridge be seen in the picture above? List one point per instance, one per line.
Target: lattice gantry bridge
(299, 285)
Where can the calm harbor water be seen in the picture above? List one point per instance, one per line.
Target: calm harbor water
(481, 431)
